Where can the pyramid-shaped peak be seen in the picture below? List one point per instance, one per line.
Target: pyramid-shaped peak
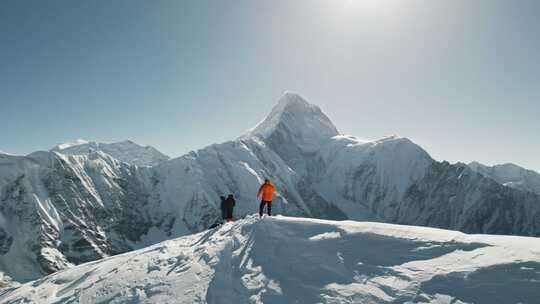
(296, 119)
(293, 102)
(290, 98)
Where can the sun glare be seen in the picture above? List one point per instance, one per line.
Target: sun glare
(363, 3)
(380, 8)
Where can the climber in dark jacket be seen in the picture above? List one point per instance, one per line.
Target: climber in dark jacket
(229, 205)
(223, 208)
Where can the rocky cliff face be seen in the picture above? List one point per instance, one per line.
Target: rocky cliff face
(60, 210)
(454, 196)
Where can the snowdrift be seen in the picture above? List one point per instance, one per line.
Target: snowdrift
(297, 260)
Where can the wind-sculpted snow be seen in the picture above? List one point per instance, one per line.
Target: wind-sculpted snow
(294, 260)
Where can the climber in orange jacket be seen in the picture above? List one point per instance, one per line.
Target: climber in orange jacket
(265, 194)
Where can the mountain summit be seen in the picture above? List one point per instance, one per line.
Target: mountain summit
(296, 121)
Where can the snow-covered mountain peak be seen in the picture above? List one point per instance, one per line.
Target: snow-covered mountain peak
(295, 120)
(510, 175)
(69, 144)
(290, 99)
(85, 202)
(125, 151)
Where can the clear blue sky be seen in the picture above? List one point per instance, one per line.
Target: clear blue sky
(461, 78)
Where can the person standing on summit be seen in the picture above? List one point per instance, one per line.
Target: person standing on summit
(265, 194)
(223, 207)
(229, 203)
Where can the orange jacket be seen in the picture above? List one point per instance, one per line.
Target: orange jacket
(265, 192)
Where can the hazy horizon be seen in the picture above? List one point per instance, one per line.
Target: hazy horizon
(459, 78)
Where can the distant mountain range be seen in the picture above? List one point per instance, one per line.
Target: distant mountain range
(126, 151)
(510, 175)
(82, 201)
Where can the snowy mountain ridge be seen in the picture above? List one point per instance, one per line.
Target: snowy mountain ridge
(299, 260)
(5, 153)
(69, 144)
(82, 204)
(510, 175)
(126, 151)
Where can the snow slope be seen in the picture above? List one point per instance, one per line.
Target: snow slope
(295, 260)
(126, 151)
(510, 175)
